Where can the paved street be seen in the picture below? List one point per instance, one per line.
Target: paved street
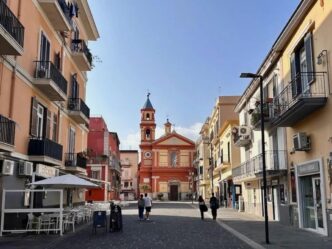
(172, 225)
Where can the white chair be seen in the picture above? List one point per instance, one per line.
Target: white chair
(32, 221)
(45, 222)
(70, 220)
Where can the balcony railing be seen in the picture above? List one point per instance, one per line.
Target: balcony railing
(11, 24)
(7, 130)
(77, 104)
(45, 147)
(302, 96)
(47, 70)
(75, 160)
(79, 46)
(256, 116)
(275, 160)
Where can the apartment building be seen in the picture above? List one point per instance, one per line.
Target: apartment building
(103, 165)
(297, 114)
(129, 163)
(216, 151)
(44, 119)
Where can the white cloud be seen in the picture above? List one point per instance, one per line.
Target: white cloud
(132, 140)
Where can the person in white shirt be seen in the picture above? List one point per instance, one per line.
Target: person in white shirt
(148, 205)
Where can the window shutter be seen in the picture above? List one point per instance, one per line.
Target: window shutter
(55, 127)
(309, 56)
(48, 124)
(293, 75)
(33, 117)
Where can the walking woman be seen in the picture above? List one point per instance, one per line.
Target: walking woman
(202, 206)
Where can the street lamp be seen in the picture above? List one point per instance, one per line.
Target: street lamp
(260, 77)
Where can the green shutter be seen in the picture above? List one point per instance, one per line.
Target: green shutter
(33, 117)
(309, 56)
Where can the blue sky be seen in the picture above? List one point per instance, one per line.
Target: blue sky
(185, 52)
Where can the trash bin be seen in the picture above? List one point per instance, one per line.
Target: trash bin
(99, 220)
(115, 218)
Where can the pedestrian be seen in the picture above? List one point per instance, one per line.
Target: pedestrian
(148, 205)
(141, 204)
(214, 205)
(202, 206)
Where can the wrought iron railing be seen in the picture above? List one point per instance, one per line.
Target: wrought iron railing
(47, 70)
(11, 24)
(304, 85)
(77, 104)
(79, 46)
(274, 160)
(75, 159)
(45, 147)
(7, 130)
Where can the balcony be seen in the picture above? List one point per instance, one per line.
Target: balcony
(50, 81)
(57, 13)
(11, 32)
(78, 110)
(7, 134)
(301, 97)
(75, 162)
(81, 55)
(256, 117)
(45, 151)
(275, 161)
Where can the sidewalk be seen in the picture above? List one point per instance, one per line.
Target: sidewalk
(251, 227)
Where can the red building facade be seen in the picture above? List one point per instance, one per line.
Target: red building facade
(166, 166)
(103, 161)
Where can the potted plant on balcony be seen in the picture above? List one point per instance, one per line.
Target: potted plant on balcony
(255, 117)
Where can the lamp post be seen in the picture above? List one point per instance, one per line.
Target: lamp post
(260, 77)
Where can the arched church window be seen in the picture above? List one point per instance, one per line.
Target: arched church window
(147, 134)
(148, 116)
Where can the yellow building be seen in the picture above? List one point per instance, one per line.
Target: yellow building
(297, 113)
(213, 149)
(44, 61)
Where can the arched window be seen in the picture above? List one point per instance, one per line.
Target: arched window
(147, 134)
(174, 159)
(148, 116)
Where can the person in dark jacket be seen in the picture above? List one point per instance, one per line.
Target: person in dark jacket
(202, 206)
(214, 205)
(141, 205)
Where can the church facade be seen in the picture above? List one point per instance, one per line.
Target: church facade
(166, 170)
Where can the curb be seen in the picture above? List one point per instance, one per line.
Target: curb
(237, 234)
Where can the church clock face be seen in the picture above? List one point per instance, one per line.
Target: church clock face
(147, 154)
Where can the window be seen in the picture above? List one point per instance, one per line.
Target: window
(126, 185)
(74, 86)
(147, 134)
(201, 170)
(302, 66)
(71, 140)
(40, 120)
(174, 159)
(44, 48)
(95, 174)
(148, 116)
(228, 152)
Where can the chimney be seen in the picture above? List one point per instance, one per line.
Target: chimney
(168, 127)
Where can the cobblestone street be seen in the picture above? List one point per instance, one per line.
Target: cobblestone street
(172, 225)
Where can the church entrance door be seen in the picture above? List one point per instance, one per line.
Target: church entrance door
(174, 193)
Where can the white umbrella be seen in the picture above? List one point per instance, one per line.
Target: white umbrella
(65, 181)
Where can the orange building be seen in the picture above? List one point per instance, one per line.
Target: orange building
(166, 163)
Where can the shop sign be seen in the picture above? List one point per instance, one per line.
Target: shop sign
(146, 180)
(45, 171)
(274, 182)
(308, 169)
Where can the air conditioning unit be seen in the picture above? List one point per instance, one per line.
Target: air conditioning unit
(244, 132)
(7, 167)
(301, 141)
(25, 168)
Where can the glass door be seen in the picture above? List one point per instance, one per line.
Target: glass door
(308, 207)
(318, 203)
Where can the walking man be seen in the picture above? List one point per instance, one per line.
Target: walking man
(148, 205)
(214, 205)
(141, 204)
